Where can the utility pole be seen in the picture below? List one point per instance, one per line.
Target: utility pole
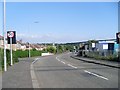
(29, 50)
(4, 34)
(11, 56)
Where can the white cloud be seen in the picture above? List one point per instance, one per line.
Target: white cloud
(50, 37)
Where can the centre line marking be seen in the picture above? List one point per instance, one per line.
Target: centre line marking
(63, 62)
(57, 58)
(71, 66)
(96, 75)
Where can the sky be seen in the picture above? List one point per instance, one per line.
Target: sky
(61, 22)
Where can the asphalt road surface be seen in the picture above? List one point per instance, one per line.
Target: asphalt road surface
(62, 71)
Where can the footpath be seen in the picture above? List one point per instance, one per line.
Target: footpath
(18, 75)
(100, 62)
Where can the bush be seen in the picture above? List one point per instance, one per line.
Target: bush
(51, 49)
(35, 53)
(1, 59)
(97, 56)
(15, 58)
(21, 54)
(16, 54)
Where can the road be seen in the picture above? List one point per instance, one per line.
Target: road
(62, 71)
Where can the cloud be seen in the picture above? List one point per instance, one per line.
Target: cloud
(52, 38)
(36, 37)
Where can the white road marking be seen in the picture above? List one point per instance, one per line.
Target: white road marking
(60, 60)
(96, 75)
(71, 66)
(63, 62)
(33, 76)
(35, 60)
(57, 58)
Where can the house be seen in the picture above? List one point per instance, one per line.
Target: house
(28, 46)
(20, 45)
(1, 41)
(107, 47)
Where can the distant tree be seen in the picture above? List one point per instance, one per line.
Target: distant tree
(91, 41)
(34, 49)
(51, 49)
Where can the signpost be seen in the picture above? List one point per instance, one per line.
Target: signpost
(11, 40)
(118, 42)
(118, 37)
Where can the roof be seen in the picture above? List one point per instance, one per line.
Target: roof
(95, 40)
(1, 37)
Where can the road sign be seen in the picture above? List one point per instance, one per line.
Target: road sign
(93, 45)
(10, 34)
(118, 37)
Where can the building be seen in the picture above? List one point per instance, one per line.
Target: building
(20, 45)
(1, 41)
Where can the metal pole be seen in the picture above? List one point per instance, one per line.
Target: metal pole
(29, 50)
(4, 32)
(11, 51)
(119, 52)
(57, 48)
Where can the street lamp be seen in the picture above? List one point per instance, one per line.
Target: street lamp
(4, 34)
(29, 50)
(29, 43)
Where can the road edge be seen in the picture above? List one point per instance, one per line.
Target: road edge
(33, 76)
(95, 62)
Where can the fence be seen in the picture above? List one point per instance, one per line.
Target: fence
(105, 54)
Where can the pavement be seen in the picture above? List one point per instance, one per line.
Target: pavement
(59, 71)
(113, 64)
(18, 75)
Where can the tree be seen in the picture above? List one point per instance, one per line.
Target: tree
(51, 49)
(91, 41)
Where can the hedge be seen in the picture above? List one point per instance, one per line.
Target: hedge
(16, 54)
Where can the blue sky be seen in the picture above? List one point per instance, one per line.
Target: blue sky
(62, 22)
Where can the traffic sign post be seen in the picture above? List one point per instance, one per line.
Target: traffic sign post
(11, 35)
(11, 51)
(118, 37)
(118, 42)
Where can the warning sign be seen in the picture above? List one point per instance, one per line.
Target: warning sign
(118, 37)
(11, 34)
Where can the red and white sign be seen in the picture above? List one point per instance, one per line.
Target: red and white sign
(10, 34)
(118, 35)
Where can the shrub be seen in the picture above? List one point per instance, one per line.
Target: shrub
(51, 49)
(21, 54)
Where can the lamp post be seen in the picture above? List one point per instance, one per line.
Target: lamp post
(29, 44)
(29, 50)
(4, 34)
